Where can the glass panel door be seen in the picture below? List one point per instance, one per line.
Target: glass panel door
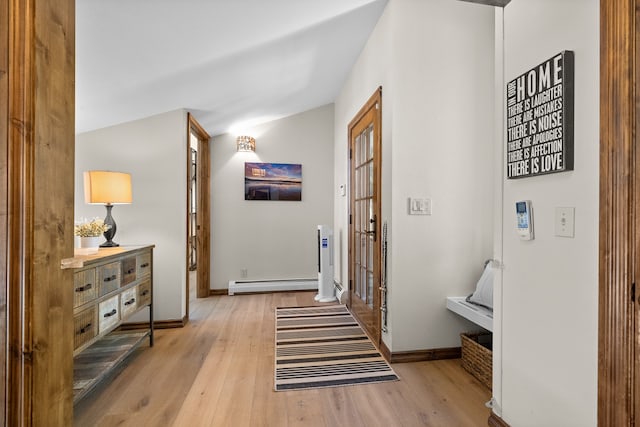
(364, 245)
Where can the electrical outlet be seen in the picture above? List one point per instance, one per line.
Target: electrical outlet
(243, 273)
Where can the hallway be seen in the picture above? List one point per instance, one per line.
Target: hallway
(218, 371)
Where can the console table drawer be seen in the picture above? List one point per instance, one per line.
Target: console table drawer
(109, 313)
(143, 263)
(84, 286)
(128, 300)
(109, 277)
(128, 270)
(144, 293)
(84, 324)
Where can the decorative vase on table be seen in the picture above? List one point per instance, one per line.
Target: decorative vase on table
(90, 243)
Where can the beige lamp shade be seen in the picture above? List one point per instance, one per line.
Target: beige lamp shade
(106, 187)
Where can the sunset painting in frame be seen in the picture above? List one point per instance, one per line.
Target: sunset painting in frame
(272, 181)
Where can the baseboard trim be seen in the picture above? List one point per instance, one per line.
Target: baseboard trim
(218, 292)
(421, 355)
(157, 324)
(385, 351)
(496, 421)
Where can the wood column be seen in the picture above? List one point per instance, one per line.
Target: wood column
(37, 77)
(4, 124)
(617, 199)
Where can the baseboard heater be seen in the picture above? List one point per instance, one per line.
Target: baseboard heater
(278, 285)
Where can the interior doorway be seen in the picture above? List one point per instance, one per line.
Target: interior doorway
(364, 215)
(198, 212)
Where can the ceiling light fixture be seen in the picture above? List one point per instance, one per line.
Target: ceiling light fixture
(246, 143)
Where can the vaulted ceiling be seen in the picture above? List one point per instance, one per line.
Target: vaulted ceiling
(229, 62)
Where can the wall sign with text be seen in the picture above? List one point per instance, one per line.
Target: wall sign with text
(540, 119)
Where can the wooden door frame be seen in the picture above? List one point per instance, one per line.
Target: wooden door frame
(203, 250)
(619, 212)
(5, 390)
(376, 98)
(37, 73)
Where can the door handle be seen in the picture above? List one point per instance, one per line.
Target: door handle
(372, 221)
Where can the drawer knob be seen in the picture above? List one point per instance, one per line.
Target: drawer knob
(84, 288)
(131, 270)
(111, 313)
(110, 278)
(86, 328)
(144, 293)
(131, 301)
(145, 265)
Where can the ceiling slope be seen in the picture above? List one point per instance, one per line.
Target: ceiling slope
(227, 61)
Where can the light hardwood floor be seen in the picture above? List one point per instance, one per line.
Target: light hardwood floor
(218, 371)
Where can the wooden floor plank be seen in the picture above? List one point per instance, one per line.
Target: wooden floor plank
(218, 371)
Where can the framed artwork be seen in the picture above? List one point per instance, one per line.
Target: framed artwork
(272, 181)
(540, 119)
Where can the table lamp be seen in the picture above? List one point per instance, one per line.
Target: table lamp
(107, 188)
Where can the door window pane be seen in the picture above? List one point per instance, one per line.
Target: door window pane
(370, 142)
(370, 178)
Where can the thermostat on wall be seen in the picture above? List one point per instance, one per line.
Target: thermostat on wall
(524, 220)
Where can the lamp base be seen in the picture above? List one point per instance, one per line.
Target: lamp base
(111, 232)
(109, 244)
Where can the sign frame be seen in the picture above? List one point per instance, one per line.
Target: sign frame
(540, 119)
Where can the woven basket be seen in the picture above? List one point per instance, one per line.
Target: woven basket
(476, 358)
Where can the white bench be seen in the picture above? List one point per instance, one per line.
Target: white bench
(477, 314)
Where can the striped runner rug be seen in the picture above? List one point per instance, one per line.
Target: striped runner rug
(324, 347)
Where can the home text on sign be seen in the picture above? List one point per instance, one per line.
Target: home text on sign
(540, 119)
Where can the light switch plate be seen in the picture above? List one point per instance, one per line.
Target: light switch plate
(565, 222)
(419, 206)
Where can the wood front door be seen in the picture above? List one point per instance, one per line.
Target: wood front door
(364, 217)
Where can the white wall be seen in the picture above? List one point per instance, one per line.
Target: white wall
(154, 151)
(271, 239)
(550, 284)
(443, 124)
(434, 60)
(370, 72)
